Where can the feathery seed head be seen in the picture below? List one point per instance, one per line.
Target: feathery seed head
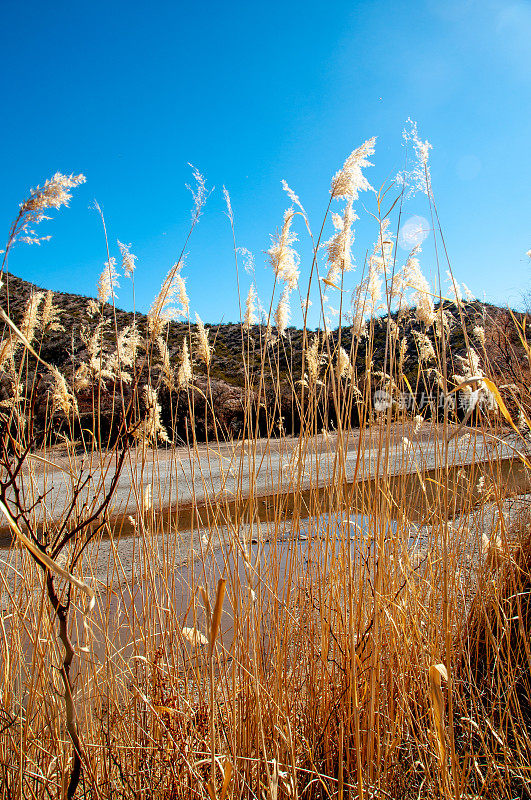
(8, 347)
(270, 339)
(62, 398)
(469, 297)
(294, 198)
(383, 248)
(163, 309)
(407, 447)
(250, 318)
(479, 333)
(230, 215)
(182, 295)
(313, 361)
(199, 193)
(93, 307)
(339, 246)
(374, 286)
(422, 296)
(248, 259)
(50, 315)
(344, 367)
(454, 289)
(203, 345)
(82, 378)
(359, 306)
(128, 259)
(282, 313)
(283, 258)
(425, 347)
(30, 320)
(54, 194)
(152, 427)
(184, 374)
(350, 181)
(470, 364)
(108, 281)
(127, 345)
(16, 397)
(167, 370)
(418, 178)
(443, 321)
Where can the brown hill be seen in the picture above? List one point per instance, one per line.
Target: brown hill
(501, 354)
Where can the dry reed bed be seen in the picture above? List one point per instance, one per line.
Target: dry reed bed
(309, 655)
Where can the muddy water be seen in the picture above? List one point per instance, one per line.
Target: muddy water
(148, 589)
(280, 553)
(415, 495)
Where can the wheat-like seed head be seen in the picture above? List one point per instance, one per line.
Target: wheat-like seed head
(360, 308)
(250, 318)
(54, 194)
(443, 321)
(152, 428)
(124, 356)
(425, 347)
(282, 313)
(163, 309)
(283, 258)
(30, 319)
(479, 333)
(344, 366)
(62, 398)
(168, 377)
(128, 259)
(184, 374)
(339, 246)
(422, 296)
(50, 315)
(350, 181)
(204, 352)
(93, 307)
(313, 361)
(108, 281)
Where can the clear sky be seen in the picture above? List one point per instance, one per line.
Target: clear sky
(250, 93)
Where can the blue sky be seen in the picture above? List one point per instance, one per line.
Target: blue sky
(130, 93)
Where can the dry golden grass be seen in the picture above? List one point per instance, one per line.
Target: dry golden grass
(307, 653)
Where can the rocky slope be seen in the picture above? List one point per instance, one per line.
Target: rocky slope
(66, 348)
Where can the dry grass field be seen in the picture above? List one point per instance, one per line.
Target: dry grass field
(355, 641)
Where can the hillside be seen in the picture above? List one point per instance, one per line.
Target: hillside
(489, 329)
